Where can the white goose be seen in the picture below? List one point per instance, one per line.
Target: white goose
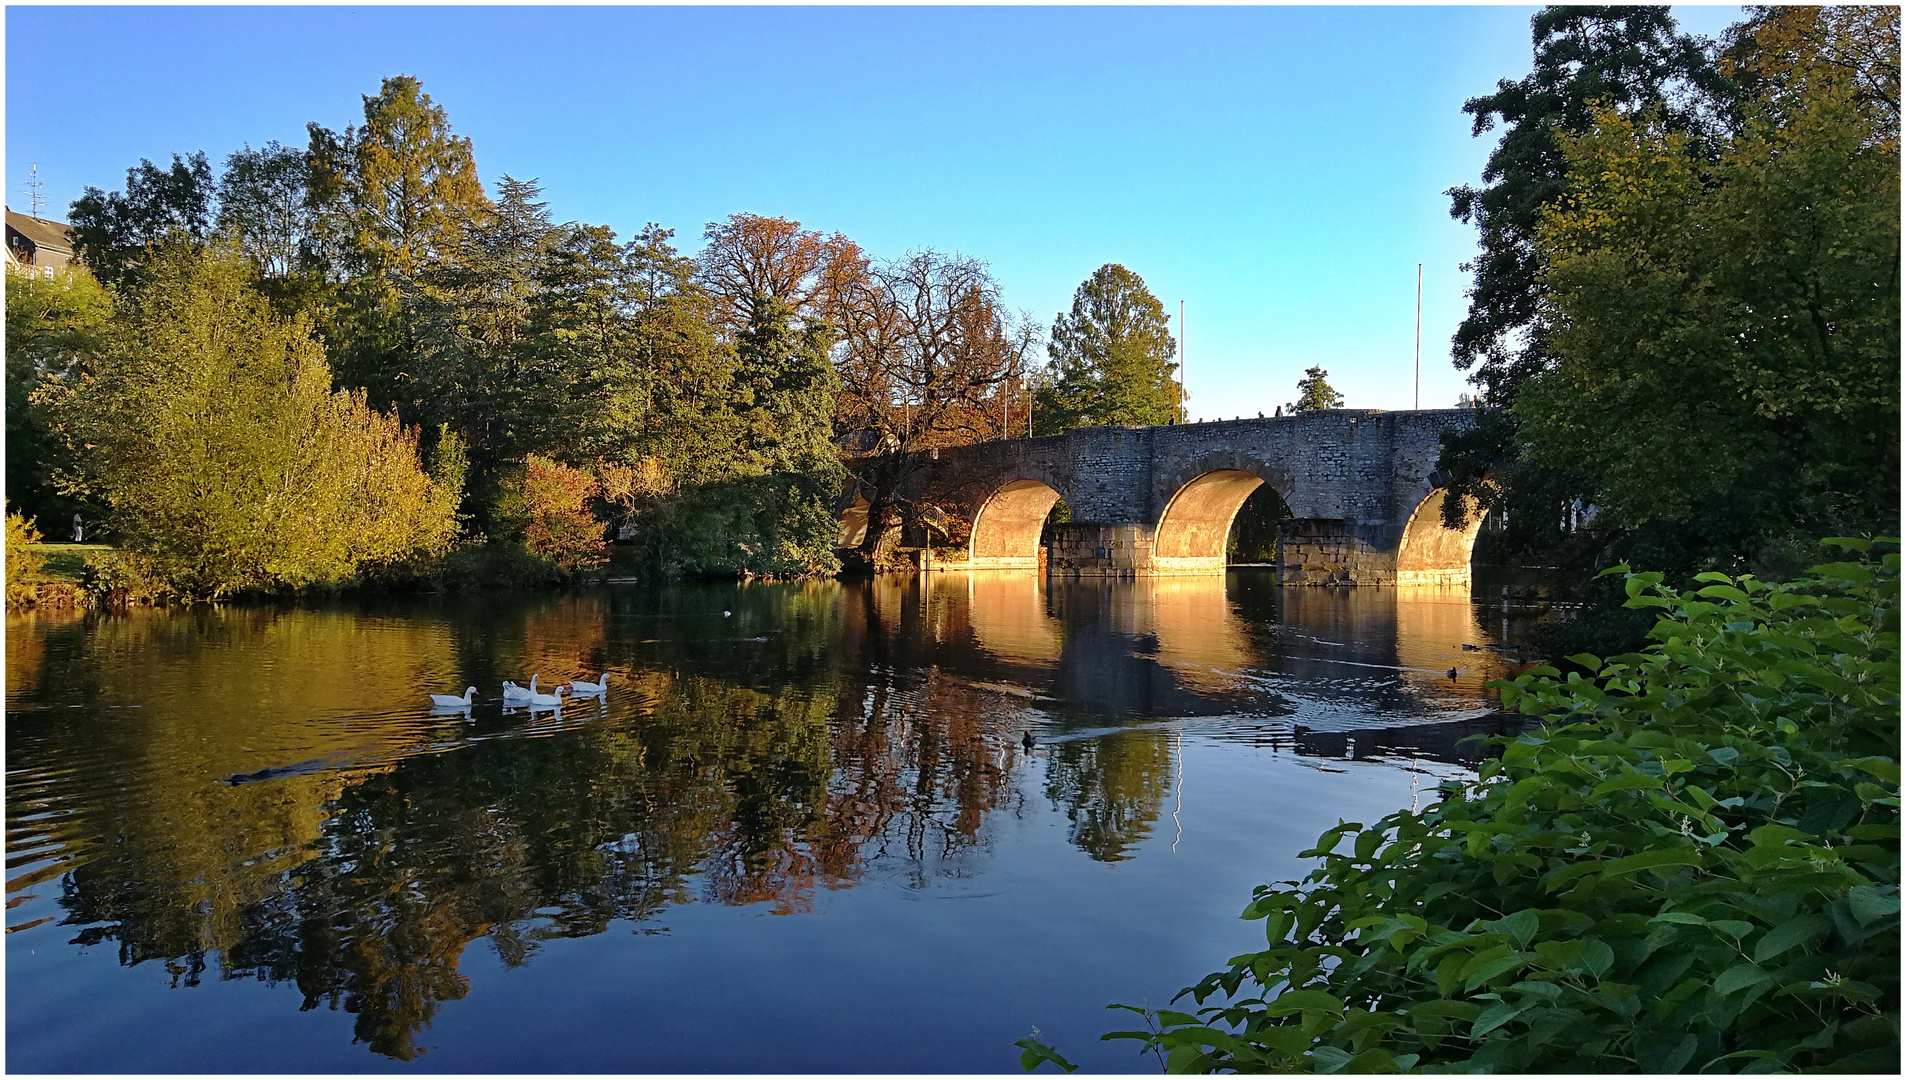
(584, 689)
(546, 701)
(446, 701)
(516, 695)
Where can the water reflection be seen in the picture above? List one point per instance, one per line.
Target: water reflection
(265, 793)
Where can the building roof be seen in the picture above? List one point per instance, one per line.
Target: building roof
(52, 235)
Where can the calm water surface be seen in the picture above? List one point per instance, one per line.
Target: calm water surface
(799, 834)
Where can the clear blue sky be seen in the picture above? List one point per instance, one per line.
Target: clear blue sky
(1280, 169)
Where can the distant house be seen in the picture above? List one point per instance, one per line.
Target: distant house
(36, 246)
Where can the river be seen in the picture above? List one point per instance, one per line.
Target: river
(799, 833)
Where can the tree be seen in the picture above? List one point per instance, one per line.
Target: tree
(111, 229)
(1728, 336)
(1314, 392)
(784, 394)
(1777, 50)
(211, 433)
(55, 325)
(1111, 358)
(1628, 58)
(393, 196)
(545, 504)
(750, 257)
(475, 365)
(927, 350)
(402, 181)
(264, 203)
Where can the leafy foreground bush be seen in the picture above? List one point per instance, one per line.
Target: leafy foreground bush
(1693, 867)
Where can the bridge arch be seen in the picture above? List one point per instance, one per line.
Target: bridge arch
(1429, 554)
(1006, 529)
(1202, 501)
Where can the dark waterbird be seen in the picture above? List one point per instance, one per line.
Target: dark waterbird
(1025, 740)
(309, 765)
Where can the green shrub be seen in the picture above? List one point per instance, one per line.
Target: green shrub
(23, 563)
(778, 525)
(1693, 866)
(107, 572)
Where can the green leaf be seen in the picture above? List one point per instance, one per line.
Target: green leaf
(1870, 903)
(1650, 860)
(1665, 1053)
(1036, 1053)
(1329, 1058)
(1521, 926)
(1499, 1014)
(1740, 977)
(1446, 1007)
(1795, 931)
(1291, 1001)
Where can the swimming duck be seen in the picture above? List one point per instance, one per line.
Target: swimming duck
(446, 701)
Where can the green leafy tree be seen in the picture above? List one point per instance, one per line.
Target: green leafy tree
(54, 326)
(264, 202)
(111, 230)
(475, 367)
(211, 433)
(1728, 335)
(783, 395)
(1111, 358)
(1627, 58)
(1314, 392)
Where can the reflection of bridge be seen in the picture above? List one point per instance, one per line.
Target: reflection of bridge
(1363, 504)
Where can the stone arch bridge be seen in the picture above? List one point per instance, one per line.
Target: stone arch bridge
(1365, 506)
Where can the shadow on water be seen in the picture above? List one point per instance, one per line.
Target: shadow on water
(263, 793)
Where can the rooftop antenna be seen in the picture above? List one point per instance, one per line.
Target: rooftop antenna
(33, 185)
(1419, 336)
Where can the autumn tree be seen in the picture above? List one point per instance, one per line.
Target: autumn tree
(1111, 358)
(927, 348)
(1314, 392)
(394, 194)
(749, 256)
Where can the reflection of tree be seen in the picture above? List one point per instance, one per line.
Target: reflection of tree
(766, 761)
(1111, 789)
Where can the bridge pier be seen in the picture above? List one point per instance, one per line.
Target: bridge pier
(1318, 552)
